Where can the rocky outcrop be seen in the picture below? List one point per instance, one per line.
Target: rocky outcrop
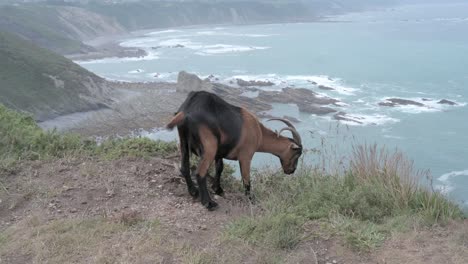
(447, 102)
(392, 102)
(306, 100)
(187, 82)
(324, 87)
(243, 83)
(314, 109)
(341, 116)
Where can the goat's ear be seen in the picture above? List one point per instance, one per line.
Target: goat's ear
(295, 146)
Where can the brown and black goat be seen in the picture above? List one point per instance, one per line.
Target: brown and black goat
(215, 130)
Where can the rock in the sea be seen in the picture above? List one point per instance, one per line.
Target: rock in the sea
(447, 102)
(315, 109)
(341, 116)
(178, 46)
(305, 99)
(426, 99)
(244, 83)
(398, 101)
(324, 87)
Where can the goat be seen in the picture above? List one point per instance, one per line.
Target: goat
(215, 130)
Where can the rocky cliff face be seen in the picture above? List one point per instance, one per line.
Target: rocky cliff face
(172, 14)
(83, 24)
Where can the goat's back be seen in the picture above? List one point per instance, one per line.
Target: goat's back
(223, 119)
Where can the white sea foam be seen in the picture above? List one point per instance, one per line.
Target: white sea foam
(136, 71)
(304, 81)
(447, 186)
(166, 76)
(223, 48)
(393, 137)
(181, 41)
(214, 49)
(217, 33)
(163, 32)
(335, 83)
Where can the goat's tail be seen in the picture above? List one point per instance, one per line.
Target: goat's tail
(176, 120)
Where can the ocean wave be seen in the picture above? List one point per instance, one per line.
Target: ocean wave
(223, 48)
(214, 49)
(217, 33)
(335, 84)
(181, 41)
(447, 185)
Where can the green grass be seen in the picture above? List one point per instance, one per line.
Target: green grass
(378, 195)
(22, 139)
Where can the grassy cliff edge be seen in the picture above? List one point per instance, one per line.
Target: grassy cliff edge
(312, 217)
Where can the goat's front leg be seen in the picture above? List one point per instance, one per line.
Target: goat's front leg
(217, 180)
(245, 172)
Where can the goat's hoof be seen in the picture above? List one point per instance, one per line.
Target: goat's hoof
(211, 205)
(193, 192)
(219, 191)
(252, 198)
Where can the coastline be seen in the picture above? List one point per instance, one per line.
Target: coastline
(109, 46)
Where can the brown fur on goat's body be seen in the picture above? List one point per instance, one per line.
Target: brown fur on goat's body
(214, 129)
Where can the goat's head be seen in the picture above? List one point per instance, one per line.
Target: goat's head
(293, 149)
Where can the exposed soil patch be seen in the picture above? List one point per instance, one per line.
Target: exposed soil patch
(53, 195)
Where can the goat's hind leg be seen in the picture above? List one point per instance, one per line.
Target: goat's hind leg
(217, 179)
(185, 162)
(210, 147)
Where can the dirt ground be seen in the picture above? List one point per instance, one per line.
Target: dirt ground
(141, 190)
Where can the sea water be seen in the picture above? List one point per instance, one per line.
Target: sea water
(417, 52)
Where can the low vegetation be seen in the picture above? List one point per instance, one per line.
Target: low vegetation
(378, 195)
(22, 139)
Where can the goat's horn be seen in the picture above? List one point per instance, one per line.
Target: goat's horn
(296, 136)
(291, 128)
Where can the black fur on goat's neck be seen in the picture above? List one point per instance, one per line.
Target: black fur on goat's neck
(204, 108)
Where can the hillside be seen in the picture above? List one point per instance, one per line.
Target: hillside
(64, 27)
(65, 199)
(38, 81)
(58, 28)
